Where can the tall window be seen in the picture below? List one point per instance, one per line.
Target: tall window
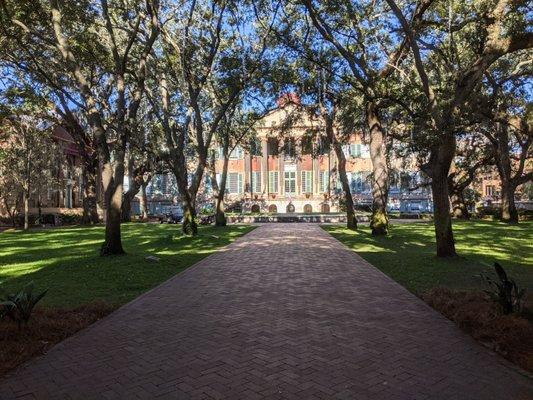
(307, 145)
(273, 179)
(346, 150)
(355, 150)
(290, 148)
(405, 180)
(365, 151)
(489, 190)
(256, 147)
(208, 183)
(273, 147)
(290, 181)
(256, 182)
(324, 181)
(234, 182)
(323, 145)
(307, 181)
(356, 182)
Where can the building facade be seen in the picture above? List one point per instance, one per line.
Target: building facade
(64, 190)
(295, 170)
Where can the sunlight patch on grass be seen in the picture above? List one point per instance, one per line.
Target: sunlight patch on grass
(408, 253)
(67, 261)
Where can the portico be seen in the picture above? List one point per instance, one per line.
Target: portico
(291, 170)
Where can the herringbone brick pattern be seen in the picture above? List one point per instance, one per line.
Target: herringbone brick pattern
(286, 312)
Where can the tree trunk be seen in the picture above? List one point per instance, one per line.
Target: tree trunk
(39, 205)
(220, 216)
(12, 212)
(189, 226)
(89, 176)
(89, 203)
(379, 221)
(126, 208)
(503, 163)
(113, 184)
(509, 211)
(439, 167)
(178, 165)
(128, 198)
(144, 201)
(26, 210)
(351, 220)
(460, 210)
(113, 242)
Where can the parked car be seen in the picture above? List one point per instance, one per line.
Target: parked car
(171, 215)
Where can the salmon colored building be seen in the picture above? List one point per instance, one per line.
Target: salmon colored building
(295, 170)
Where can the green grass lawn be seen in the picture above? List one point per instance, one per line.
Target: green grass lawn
(66, 260)
(408, 254)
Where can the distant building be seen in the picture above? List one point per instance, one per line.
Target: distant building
(290, 168)
(66, 192)
(297, 172)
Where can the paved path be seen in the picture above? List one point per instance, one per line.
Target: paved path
(285, 312)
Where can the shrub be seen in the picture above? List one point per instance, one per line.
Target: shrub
(525, 215)
(489, 211)
(46, 219)
(71, 219)
(505, 292)
(19, 306)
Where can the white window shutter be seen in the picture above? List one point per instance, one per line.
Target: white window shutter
(273, 181)
(324, 180)
(365, 151)
(346, 150)
(353, 150)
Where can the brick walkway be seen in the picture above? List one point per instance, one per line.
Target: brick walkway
(286, 312)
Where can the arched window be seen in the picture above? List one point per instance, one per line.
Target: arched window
(255, 208)
(272, 208)
(290, 208)
(324, 208)
(308, 209)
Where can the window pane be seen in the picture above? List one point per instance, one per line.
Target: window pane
(307, 181)
(290, 181)
(273, 178)
(234, 184)
(324, 181)
(256, 181)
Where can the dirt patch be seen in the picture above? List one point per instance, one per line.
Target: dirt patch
(509, 335)
(47, 327)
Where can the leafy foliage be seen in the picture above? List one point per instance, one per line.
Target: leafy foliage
(19, 306)
(505, 292)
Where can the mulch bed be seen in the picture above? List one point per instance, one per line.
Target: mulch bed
(47, 327)
(474, 312)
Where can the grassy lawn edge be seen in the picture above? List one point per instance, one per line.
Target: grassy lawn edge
(66, 261)
(407, 254)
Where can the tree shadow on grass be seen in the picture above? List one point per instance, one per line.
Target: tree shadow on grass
(408, 253)
(75, 273)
